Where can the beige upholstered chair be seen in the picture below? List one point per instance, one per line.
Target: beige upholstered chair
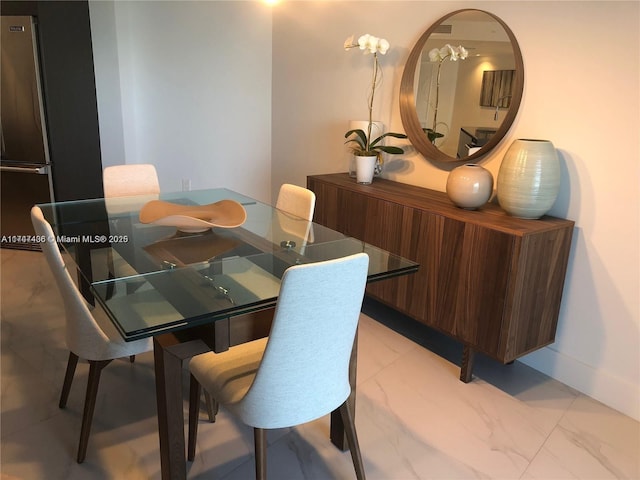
(296, 200)
(301, 372)
(128, 180)
(89, 334)
(128, 187)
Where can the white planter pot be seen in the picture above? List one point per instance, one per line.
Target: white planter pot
(377, 129)
(365, 168)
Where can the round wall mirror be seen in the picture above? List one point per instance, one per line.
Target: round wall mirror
(457, 106)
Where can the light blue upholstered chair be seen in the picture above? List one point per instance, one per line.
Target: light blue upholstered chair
(299, 202)
(301, 372)
(90, 334)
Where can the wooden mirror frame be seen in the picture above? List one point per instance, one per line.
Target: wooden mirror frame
(409, 114)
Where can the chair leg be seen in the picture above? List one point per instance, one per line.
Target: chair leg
(95, 369)
(68, 378)
(352, 438)
(212, 406)
(194, 404)
(260, 440)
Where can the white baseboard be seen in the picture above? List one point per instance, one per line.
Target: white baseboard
(615, 392)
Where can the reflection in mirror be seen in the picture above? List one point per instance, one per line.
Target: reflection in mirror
(497, 88)
(461, 86)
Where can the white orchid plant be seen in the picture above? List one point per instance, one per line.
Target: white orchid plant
(364, 145)
(440, 55)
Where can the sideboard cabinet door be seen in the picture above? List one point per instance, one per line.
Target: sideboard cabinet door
(473, 273)
(491, 281)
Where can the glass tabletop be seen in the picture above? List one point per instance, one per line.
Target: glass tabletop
(152, 278)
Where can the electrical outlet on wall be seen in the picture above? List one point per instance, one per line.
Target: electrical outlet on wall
(186, 184)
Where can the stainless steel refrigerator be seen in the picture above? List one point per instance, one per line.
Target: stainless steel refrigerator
(25, 169)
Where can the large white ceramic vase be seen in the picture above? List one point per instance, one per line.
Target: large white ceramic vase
(529, 178)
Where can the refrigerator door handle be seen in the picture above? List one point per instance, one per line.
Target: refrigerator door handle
(43, 170)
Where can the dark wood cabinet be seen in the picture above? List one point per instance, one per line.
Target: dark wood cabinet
(489, 280)
(69, 88)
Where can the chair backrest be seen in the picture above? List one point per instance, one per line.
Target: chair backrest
(128, 180)
(296, 200)
(84, 336)
(304, 373)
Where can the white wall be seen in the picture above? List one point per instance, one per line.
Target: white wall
(581, 92)
(191, 74)
(186, 86)
(105, 55)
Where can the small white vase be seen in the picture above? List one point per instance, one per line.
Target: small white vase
(365, 168)
(469, 186)
(529, 178)
(377, 129)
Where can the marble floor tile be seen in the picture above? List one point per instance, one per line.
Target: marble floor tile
(387, 345)
(590, 441)
(415, 419)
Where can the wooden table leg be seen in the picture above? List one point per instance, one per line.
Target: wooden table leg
(83, 262)
(466, 371)
(169, 351)
(337, 431)
(168, 370)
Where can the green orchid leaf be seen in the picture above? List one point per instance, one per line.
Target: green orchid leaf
(432, 134)
(357, 142)
(361, 138)
(388, 134)
(392, 134)
(390, 149)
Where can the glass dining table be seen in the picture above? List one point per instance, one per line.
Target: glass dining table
(195, 290)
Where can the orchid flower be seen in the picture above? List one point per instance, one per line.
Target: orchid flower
(439, 55)
(370, 44)
(453, 53)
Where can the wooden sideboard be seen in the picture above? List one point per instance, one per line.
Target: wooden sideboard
(487, 279)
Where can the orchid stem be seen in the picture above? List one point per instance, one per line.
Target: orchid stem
(373, 91)
(435, 110)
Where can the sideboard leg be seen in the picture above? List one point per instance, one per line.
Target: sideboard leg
(466, 371)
